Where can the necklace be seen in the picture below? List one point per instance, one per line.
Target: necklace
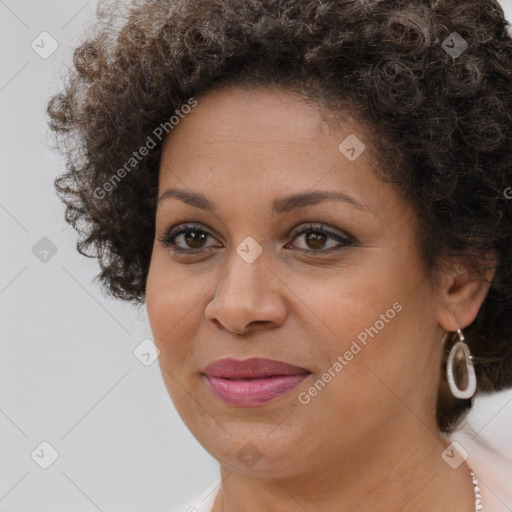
(478, 497)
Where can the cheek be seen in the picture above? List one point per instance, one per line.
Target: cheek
(172, 313)
(363, 318)
(176, 298)
(360, 351)
(170, 304)
(343, 304)
(376, 352)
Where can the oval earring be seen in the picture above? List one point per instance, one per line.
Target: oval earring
(460, 371)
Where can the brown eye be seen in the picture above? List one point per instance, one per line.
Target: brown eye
(316, 238)
(192, 237)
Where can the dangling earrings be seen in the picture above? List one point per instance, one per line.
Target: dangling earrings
(460, 371)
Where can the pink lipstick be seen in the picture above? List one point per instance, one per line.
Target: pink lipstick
(254, 381)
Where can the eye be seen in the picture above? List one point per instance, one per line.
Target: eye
(315, 238)
(191, 235)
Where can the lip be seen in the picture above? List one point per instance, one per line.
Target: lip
(252, 368)
(254, 381)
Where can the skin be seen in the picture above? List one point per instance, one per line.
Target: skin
(368, 440)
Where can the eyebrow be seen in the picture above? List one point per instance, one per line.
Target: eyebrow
(281, 205)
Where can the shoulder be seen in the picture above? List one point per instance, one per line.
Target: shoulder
(204, 501)
(493, 469)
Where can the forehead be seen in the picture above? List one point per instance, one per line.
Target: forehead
(245, 116)
(262, 128)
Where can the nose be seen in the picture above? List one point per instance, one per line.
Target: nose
(248, 297)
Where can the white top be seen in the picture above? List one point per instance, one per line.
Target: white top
(493, 472)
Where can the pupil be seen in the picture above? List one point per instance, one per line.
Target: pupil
(317, 240)
(193, 237)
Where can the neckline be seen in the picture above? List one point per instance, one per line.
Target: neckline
(209, 496)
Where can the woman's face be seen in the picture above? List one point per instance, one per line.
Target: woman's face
(357, 314)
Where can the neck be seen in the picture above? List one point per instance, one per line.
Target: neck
(404, 473)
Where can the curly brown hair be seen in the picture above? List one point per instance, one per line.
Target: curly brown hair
(441, 122)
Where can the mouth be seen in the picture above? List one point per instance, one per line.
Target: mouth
(254, 381)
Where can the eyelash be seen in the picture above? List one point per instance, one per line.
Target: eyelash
(168, 240)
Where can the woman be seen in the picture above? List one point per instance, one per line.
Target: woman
(310, 199)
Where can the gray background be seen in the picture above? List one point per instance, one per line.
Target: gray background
(68, 372)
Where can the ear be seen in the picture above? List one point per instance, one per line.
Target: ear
(462, 292)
